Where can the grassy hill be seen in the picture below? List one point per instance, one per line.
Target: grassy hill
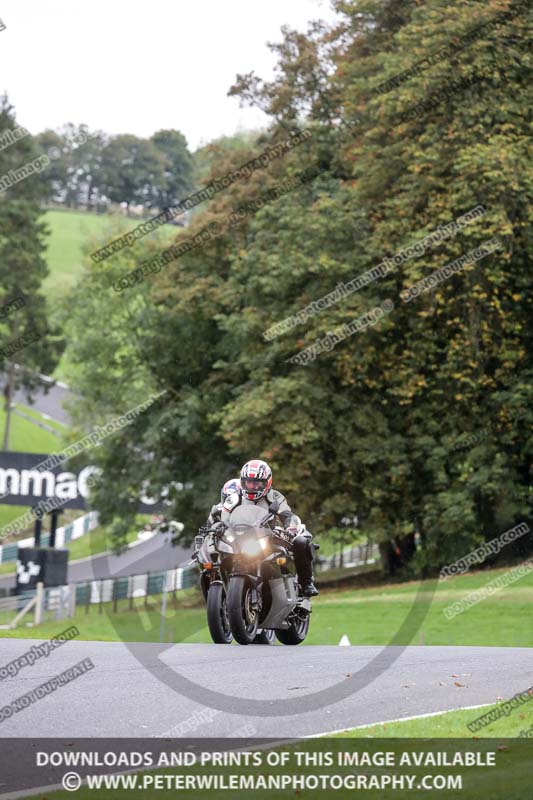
(72, 235)
(70, 231)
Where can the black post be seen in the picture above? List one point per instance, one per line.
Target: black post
(53, 527)
(37, 532)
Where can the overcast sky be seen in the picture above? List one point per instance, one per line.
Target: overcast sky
(132, 66)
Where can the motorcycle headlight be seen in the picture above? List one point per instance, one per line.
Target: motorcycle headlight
(251, 547)
(254, 547)
(229, 537)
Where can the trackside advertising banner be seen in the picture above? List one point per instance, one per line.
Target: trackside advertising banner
(210, 769)
(27, 479)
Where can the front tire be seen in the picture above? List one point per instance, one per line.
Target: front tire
(296, 633)
(217, 618)
(243, 619)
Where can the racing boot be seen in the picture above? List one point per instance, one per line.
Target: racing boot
(308, 588)
(303, 561)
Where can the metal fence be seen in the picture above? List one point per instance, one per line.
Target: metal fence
(129, 587)
(12, 606)
(60, 602)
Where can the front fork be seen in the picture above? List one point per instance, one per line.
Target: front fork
(207, 577)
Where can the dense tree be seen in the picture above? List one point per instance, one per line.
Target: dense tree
(87, 158)
(26, 342)
(371, 424)
(132, 171)
(55, 179)
(90, 169)
(177, 169)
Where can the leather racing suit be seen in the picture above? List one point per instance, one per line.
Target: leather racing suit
(300, 543)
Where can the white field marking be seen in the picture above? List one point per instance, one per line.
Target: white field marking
(400, 719)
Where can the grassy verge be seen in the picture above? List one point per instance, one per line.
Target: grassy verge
(184, 618)
(374, 615)
(26, 437)
(52, 423)
(449, 725)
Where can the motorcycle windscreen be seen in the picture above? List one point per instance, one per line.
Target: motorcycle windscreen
(247, 516)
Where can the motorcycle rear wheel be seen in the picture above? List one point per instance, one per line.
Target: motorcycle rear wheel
(217, 618)
(243, 619)
(296, 633)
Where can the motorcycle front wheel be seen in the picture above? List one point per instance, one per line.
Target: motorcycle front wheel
(217, 617)
(243, 618)
(296, 633)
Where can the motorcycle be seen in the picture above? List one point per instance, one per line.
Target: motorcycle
(249, 582)
(208, 554)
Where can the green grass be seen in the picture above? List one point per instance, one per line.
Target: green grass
(9, 513)
(367, 616)
(71, 232)
(26, 437)
(449, 725)
(184, 618)
(375, 615)
(46, 420)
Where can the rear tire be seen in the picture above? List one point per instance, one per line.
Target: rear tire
(217, 618)
(296, 633)
(243, 620)
(267, 636)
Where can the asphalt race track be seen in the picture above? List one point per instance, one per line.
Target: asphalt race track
(47, 398)
(122, 697)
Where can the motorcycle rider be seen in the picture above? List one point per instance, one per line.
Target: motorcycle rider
(256, 488)
(233, 485)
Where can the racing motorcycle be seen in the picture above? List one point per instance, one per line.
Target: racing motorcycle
(249, 582)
